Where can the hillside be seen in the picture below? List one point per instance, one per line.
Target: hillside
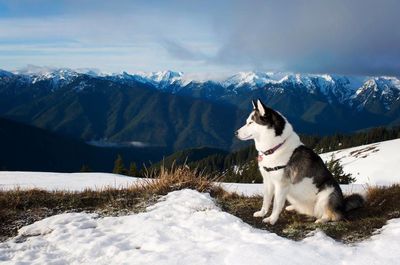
(372, 164)
(24, 147)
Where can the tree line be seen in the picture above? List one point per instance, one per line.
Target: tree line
(119, 168)
(241, 165)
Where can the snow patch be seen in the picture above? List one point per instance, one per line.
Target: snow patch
(372, 164)
(63, 181)
(185, 227)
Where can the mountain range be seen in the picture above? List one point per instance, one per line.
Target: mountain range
(168, 109)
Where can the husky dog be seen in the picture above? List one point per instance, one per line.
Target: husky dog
(292, 171)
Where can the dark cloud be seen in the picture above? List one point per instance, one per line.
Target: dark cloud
(181, 52)
(341, 36)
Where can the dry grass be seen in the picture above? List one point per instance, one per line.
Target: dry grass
(381, 205)
(22, 207)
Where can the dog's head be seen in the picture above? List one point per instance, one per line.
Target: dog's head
(263, 122)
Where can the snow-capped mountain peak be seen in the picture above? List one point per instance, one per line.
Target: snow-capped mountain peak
(162, 78)
(250, 79)
(354, 91)
(57, 77)
(381, 84)
(380, 91)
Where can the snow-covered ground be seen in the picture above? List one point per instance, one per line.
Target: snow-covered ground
(63, 181)
(372, 164)
(248, 189)
(185, 227)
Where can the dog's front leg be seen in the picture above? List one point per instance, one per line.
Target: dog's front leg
(268, 193)
(279, 201)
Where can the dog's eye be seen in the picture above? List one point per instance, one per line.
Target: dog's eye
(250, 122)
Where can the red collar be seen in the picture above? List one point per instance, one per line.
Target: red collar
(269, 151)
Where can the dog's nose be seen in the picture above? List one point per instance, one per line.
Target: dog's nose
(236, 133)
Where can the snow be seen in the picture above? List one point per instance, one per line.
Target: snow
(252, 79)
(372, 164)
(343, 88)
(63, 181)
(385, 88)
(184, 227)
(387, 82)
(249, 189)
(162, 78)
(246, 189)
(56, 75)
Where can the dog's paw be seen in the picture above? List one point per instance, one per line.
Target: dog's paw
(260, 213)
(321, 221)
(289, 208)
(270, 220)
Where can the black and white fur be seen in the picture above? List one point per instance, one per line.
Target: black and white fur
(305, 182)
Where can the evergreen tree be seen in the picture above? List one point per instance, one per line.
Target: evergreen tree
(85, 168)
(119, 167)
(133, 171)
(336, 169)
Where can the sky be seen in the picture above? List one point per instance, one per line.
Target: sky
(209, 38)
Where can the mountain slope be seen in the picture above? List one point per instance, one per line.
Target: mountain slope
(25, 147)
(372, 164)
(94, 108)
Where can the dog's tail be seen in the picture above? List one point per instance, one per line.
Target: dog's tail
(353, 201)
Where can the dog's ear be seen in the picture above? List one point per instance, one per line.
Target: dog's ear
(254, 104)
(261, 107)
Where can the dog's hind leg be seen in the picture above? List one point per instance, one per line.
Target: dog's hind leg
(279, 201)
(267, 198)
(329, 215)
(290, 208)
(326, 206)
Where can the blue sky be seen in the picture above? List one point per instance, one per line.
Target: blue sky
(203, 37)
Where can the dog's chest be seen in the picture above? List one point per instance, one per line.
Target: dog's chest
(267, 162)
(272, 160)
